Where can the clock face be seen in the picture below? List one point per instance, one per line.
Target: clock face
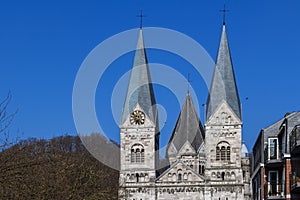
(137, 117)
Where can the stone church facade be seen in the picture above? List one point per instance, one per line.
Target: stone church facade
(205, 162)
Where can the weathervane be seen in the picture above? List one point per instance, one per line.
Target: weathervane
(141, 18)
(224, 11)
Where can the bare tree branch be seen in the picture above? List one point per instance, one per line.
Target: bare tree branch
(6, 119)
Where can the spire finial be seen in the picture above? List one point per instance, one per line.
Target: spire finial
(141, 18)
(189, 82)
(224, 11)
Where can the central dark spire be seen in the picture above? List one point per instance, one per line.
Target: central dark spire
(188, 127)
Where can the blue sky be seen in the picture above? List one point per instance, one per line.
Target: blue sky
(42, 45)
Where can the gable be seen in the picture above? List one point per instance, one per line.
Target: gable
(186, 149)
(178, 169)
(171, 151)
(147, 123)
(224, 115)
(201, 150)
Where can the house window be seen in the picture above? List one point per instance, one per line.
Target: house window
(273, 148)
(137, 153)
(273, 184)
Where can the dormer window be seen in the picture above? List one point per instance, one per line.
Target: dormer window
(273, 150)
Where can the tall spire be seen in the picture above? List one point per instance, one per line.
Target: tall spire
(188, 127)
(223, 86)
(140, 90)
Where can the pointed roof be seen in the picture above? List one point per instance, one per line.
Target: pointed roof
(188, 127)
(223, 86)
(244, 151)
(140, 90)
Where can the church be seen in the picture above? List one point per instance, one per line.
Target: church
(206, 160)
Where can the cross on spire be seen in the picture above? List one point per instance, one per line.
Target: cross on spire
(141, 18)
(189, 82)
(224, 11)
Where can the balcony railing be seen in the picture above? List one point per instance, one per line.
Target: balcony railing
(273, 191)
(272, 155)
(295, 139)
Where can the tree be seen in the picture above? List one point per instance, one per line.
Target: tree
(60, 168)
(6, 119)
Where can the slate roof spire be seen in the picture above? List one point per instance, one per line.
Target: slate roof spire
(188, 127)
(223, 86)
(140, 89)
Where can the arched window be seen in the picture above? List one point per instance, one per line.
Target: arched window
(185, 176)
(217, 153)
(142, 155)
(137, 153)
(228, 153)
(174, 177)
(190, 176)
(201, 169)
(132, 156)
(232, 175)
(137, 177)
(223, 151)
(179, 177)
(228, 175)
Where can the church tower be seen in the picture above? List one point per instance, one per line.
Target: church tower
(139, 132)
(223, 127)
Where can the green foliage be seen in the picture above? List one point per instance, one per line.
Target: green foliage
(60, 168)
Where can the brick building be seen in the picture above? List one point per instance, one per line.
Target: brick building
(276, 160)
